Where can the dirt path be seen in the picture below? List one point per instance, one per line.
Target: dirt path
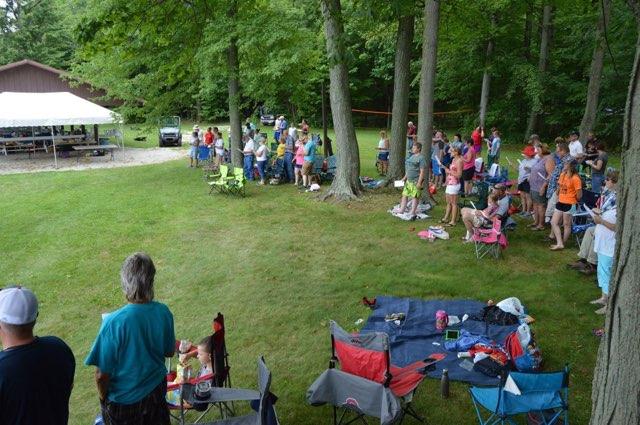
(42, 161)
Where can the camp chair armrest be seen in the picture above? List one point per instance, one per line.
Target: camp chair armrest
(219, 395)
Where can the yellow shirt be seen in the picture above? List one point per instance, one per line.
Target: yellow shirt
(280, 150)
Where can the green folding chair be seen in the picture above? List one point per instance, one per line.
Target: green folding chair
(236, 184)
(222, 181)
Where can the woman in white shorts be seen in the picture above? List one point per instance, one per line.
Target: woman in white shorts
(219, 146)
(454, 173)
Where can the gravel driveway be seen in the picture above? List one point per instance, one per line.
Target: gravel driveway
(42, 161)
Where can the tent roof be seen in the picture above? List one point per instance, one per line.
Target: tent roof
(47, 109)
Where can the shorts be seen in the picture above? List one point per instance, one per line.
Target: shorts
(307, 168)
(383, 156)
(524, 187)
(565, 208)
(537, 199)
(435, 168)
(452, 189)
(467, 175)
(411, 190)
(193, 152)
(297, 166)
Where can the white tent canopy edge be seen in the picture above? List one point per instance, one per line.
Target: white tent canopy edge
(52, 109)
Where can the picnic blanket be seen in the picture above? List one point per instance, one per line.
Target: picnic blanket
(413, 338)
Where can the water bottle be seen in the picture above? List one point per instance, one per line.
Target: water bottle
(444, 383)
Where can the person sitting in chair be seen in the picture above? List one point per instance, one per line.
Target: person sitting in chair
(204, 356)
(473, 218)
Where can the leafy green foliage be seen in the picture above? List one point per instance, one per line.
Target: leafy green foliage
(37, 30)
(168, 57)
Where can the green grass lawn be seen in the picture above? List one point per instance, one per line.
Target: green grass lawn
(279, 264)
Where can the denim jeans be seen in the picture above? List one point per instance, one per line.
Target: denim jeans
(280, 168)
(262, 169)
(288, 166)
(248, 167)
(596, 182)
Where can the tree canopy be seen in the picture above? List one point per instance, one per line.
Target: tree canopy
(167, 57)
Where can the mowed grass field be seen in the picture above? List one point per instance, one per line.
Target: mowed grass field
(279, 264)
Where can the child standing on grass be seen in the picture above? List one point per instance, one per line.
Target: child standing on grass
(279, 163)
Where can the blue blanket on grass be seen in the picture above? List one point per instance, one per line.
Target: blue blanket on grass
(413, 339)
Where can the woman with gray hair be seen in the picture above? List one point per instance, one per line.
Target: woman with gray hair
(130, 348)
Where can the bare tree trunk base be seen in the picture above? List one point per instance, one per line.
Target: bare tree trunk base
(341, 195)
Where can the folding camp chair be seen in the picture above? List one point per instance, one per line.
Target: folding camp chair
(265, 413)
(367, 383)
(581, 219)
(318, 163)
(218, 379)
(489, 241)
(220, 184)
(544, 394)
(332, 165)
(236, 185)
(479, 196)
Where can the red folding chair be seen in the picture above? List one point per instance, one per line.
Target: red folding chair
(367, 356)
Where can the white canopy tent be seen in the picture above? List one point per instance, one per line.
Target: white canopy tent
(52, 109)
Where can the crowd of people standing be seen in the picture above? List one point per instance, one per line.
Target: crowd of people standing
(293, 162)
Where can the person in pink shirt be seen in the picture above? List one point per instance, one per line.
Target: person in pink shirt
(468, 166)
(299, 161)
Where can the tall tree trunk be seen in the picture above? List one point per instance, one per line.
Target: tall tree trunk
(346, 183)
(428, 76)
(528, 26)
(400, 109)
(615, 393)
(235, 137)
(595, 73)
(543, 60)
(486, 77)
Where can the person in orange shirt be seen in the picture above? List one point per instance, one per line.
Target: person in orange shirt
(569, 192)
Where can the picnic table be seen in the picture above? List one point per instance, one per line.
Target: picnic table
(31, 144)
(81, 149)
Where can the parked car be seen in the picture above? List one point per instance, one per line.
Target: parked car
(169, 133)
(267, 118)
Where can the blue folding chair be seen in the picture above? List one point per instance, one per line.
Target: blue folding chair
(543, 394)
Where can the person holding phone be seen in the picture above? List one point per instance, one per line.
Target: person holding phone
(416, 168)
(454, 174)
(569, 192)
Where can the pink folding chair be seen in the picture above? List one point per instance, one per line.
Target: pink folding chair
(489, 241)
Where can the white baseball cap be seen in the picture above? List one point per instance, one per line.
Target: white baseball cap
(18, 306)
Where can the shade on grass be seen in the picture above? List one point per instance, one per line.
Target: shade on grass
(278, 264)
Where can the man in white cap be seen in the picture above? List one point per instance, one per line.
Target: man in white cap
(36, 373)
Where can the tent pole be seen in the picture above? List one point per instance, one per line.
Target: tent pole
(122, 139)
(55, 155)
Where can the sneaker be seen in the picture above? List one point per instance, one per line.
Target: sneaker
(588, 270)
(601, 301)
(578, 265)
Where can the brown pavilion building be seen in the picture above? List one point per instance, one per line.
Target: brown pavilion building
(32, 77)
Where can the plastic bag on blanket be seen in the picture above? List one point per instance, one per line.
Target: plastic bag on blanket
(512, 305)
